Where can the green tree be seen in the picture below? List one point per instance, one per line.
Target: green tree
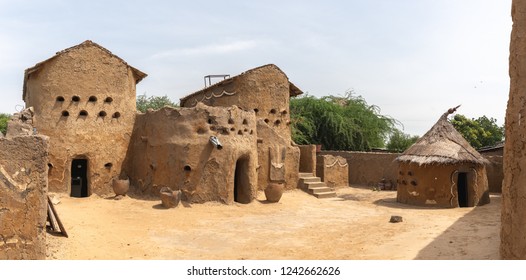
(479, 132)
(339, 123)
(153, 102)
(4, 118)
(399, 141)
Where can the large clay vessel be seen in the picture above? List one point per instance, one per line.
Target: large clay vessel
(273, 192)
(121, 187)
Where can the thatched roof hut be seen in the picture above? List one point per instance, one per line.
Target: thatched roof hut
(442, 144)
(442, 169)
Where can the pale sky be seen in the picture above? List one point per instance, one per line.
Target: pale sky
(412, 58)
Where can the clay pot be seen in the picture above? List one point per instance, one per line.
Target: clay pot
(169, 198)
(121, 187)
(273, 192)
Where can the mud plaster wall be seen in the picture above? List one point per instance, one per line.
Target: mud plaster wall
(266, 91)
(367, 169)
(23, 197)
(495, 173)
(307, 158)
(97, 126)
(278, 160)
(333, 170)
(513, 220)
(436, 185)
(170, 147)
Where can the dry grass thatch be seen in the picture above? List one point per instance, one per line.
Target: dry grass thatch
(442, 144)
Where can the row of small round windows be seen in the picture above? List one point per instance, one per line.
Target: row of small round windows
(76, 98)
(272, 111)
(84, 113)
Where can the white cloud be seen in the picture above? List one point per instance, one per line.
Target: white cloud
(212, 49)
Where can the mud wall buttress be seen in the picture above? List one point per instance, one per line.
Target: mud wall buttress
(23, 197)
(513, 220)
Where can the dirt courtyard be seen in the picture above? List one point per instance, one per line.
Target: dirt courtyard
(353, 226)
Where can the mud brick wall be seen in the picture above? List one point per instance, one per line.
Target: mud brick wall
(308, 158)
(513, 220)
(495, 173)
(367, 169)
(333, 170)
(23, 197)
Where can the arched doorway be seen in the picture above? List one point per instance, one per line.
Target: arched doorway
(462, 189)
(242, 192)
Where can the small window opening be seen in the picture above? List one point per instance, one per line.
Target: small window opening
(232, 129)
(108, 100)
(92, 99)
(256, 110)
(102, 114)
(116, 115)
(210, 121)
(267, 120)
(245, 122)
(277, 122)
(65, 113)
(75, 98)
(60, 98)
(273, 111)
(108, 165)
(49, 165)
(187, 168)
(410, 173)
(83, 113)
(231, 121)
(284, 112)
(413, 183)
(240, 132)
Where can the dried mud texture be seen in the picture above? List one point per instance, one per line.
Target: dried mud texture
(363, 167)
(353, 226)
(513, 232)
(495, 172)
(307, 159)
(437, 185)
(23, 197)
(265, 90)
(333, 170)
(171, 148)
(84, 100)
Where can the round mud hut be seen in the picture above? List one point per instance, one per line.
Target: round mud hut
(442, 170)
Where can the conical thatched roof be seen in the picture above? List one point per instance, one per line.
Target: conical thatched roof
(442, 144)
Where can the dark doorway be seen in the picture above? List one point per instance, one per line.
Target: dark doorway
(462, 183)
(242, 182)
(79, 178)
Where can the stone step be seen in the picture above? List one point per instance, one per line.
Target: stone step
(309, 185)
(314, 186)
(310, 179)
(325, 194)
(315, 190)
(303, 175)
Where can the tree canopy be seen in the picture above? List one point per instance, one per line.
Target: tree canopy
(399, 141)
(480, 132)
(4, 118)
(153, 102)
(339, 123)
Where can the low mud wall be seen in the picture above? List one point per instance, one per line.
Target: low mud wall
(367, 169)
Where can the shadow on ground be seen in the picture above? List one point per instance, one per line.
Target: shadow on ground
(481, 226)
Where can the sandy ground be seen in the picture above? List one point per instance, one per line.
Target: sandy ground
(353, 226)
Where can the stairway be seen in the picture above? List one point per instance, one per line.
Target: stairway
(313, 185)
